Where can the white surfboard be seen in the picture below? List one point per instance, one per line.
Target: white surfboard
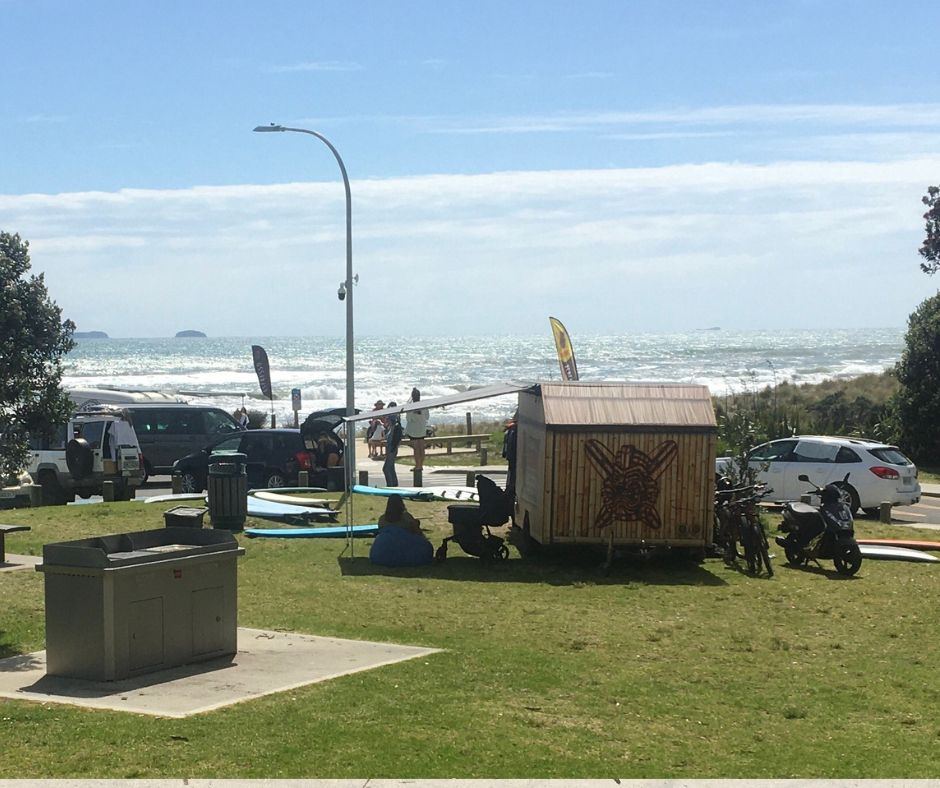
(294, 500)
(200, 496)
(887, 552)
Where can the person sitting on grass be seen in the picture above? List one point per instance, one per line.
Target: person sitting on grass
(396, 514)
(400, 541)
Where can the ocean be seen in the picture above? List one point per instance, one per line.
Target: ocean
(219, 371)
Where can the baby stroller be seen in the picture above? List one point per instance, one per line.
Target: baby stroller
(472, 523)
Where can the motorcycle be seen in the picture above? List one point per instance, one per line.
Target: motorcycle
(832, 527)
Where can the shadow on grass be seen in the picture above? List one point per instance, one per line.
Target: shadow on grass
(15, 661)
(558, 566)
(829, 574)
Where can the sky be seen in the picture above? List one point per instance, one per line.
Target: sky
(625, 166)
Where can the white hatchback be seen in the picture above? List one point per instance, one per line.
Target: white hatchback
(877, 472)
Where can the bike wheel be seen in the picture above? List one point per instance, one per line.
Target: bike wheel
(795, 557)
(721, 539)
(848, 560)
(763, 553)
(751, 555)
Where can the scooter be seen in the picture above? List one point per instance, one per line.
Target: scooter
(832, 527)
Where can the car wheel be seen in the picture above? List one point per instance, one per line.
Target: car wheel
(190, 483)
(274, 478)
(849, 496)
(53, 493)
(147, 470)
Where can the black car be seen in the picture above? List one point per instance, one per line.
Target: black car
(274, 458)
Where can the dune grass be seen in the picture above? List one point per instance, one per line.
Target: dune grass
(662, 668)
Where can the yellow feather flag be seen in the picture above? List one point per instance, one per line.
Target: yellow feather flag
(569, 369)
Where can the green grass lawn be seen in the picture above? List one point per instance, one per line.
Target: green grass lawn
(663, 668)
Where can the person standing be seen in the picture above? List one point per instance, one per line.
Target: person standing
(393, 433)
(416, 428)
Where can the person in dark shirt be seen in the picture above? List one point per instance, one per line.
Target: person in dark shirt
(393, 433)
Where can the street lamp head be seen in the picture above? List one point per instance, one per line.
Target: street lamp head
(271, 127)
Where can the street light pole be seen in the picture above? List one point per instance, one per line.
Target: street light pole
(350, 451)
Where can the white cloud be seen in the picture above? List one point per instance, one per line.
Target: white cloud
(660, 248)
(325, 65)
(746, 115)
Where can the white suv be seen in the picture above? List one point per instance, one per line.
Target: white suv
(84, 454)
(877, 472)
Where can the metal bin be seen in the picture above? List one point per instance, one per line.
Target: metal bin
(184, 516)
(128, 604)
(228, 490)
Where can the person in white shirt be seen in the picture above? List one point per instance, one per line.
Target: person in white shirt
(416, 428)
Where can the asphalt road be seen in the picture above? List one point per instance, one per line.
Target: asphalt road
(925, 514)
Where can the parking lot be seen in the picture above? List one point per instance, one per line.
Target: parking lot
(925, 514)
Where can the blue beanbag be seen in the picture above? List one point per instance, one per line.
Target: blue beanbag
(394, 546)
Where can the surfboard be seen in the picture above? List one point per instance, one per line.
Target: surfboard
(889, 553)
(421, 493)
(330, 532)
(413, 493)
(295, 500)
(200, 496)
(454, 493)
(271, 510)
(287, 489)
(911, 544)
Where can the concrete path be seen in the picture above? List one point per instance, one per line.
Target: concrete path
(15, 562)
(266, 662)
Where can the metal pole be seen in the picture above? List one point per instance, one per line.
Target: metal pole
(350, 452)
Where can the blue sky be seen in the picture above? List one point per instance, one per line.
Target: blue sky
(624, 166)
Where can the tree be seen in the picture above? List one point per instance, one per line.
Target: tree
(918, 372)
(33, 339)
(930, 251)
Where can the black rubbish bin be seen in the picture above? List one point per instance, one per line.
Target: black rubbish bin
(228, 490)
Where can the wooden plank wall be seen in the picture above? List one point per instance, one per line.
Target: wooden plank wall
(532, 476)
(685, 500)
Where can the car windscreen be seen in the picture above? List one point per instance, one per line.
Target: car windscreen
(891, 456)
(232, 443)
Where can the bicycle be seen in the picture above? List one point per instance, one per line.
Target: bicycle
(737, 522)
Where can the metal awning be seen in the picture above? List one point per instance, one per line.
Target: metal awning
(481, 392)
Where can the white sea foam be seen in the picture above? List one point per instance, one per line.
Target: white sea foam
(387, 368)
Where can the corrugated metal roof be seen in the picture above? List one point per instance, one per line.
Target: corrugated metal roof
(579, 404)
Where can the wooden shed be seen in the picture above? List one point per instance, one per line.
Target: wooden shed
(634, 462)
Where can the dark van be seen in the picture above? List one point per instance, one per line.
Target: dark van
(168, 432)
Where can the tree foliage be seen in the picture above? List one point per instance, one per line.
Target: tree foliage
(918, 372)
(33, 339)
(930, 251)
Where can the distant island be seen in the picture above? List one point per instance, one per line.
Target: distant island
(90, 335)
(189, 333)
